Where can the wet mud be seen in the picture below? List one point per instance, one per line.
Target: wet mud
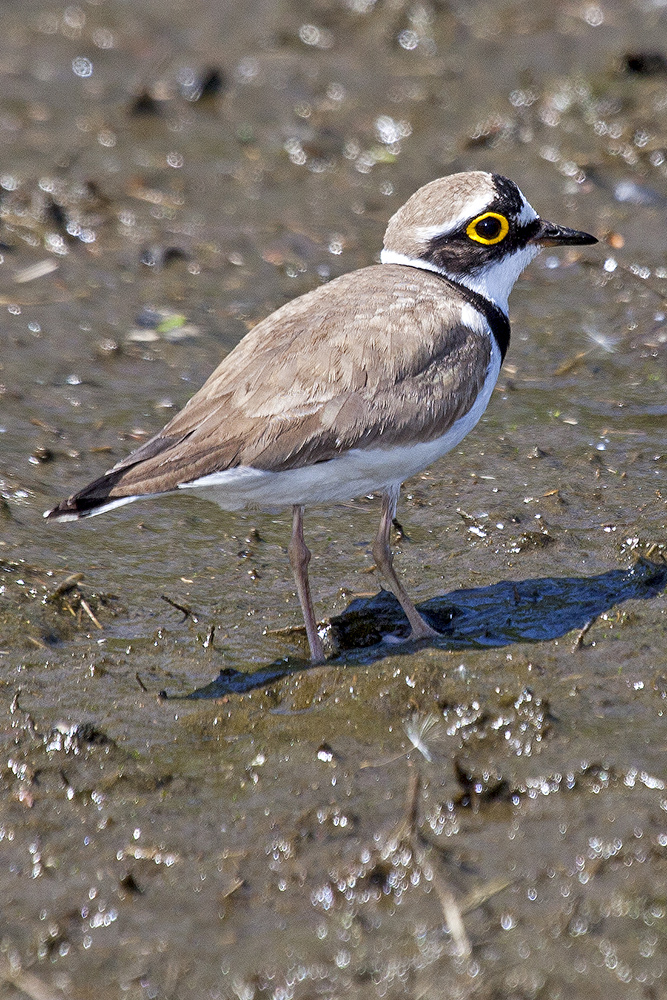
(187, 807)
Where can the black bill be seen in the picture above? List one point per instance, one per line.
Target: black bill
(550, 235)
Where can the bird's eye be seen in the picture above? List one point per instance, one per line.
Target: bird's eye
(488, 228)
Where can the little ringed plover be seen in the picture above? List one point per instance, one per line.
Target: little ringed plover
(358, 384)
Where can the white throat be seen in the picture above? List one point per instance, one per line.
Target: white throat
(494, 282)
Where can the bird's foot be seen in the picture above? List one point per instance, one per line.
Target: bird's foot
(420, 630)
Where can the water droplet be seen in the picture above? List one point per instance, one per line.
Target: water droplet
(82, 67)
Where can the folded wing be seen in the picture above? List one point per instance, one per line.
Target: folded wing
(360, 362)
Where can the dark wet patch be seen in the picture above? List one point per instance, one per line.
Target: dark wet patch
(504, 613)
(645, 63)
(507, 612)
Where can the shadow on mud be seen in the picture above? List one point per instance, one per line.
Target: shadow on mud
(505, 613)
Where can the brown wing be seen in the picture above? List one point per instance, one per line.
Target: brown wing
(360, 361)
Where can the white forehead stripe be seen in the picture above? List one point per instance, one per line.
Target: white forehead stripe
(527, 213)
(472, 207)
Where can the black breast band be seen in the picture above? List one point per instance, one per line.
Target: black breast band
(495, 317)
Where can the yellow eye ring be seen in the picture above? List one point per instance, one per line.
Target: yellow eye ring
(494, 235)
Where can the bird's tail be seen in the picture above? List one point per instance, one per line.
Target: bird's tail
(95, 498)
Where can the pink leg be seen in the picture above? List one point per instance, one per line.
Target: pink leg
(384, 560)
(299, 557)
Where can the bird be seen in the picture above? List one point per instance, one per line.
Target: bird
(356, 385)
